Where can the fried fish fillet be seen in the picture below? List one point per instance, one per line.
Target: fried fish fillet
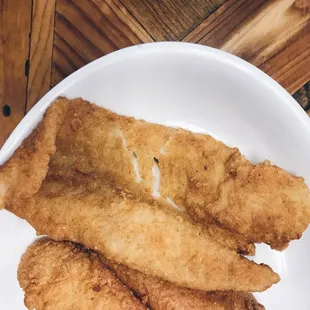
(140, 235)
(163, 295)
(222, 236)
(22, 175)
(106, 219)
(50, 271)
(63, 276)
(215, 183)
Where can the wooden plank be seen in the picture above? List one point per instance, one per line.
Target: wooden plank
(291, 67)
(67, 59)
(88, 29)
(42, 30)
(14, 50)
(264, 33)
(171, 19)
(216, 29)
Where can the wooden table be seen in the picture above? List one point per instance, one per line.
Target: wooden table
(43, 41)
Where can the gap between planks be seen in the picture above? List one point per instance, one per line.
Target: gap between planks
(41, 47)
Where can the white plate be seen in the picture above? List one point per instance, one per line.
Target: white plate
(202, 89)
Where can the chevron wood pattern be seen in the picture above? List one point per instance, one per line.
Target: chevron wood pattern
(272, 35)
(86, 30)
(171, 20)
(43, 41)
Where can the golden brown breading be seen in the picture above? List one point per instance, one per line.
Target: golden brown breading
(63, 276)
(93, 214)
(215, 183)
(230, 240)
(21, 176)
(142, 236)
(163, 295)
(121, 163)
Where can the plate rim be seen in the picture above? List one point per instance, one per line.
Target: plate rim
(36, 112)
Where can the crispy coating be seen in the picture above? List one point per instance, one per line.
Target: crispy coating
(163, 295)
(224, 237)
(64, 276)
(139, 235)
(113, 160)
(215, 183)
(22, 175)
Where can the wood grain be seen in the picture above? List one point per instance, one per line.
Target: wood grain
(171, 19)
(42, 31)
(265, 33)
(14, 50)
(88, 29)
(216, 29)
(291, 66)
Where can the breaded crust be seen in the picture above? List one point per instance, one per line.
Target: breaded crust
(140, 235)
(22, 175)
(63, 276)
(213, 182)
(163, 295)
